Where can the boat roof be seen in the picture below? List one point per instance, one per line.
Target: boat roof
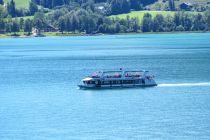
(107, 71)
(87, 79)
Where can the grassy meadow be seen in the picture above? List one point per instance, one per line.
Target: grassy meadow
(140, 14)
(20, 3)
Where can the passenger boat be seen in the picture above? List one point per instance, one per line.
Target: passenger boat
(118, 79)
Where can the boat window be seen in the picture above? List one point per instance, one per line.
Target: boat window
(105, 82)
(136, 81)
(133, 74)
(89, 82)
(128, 82)
(111, 82)
(118, 82)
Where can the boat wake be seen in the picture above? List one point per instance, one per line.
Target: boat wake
(184, 85)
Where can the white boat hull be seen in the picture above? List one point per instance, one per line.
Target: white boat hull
(115, 86)
(149, 83)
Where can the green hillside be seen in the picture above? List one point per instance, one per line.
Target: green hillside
(159, 5)
(162, 5)
(140, 14)
(193, 1)
(20, 3)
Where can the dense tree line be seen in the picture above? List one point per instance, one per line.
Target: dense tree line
(181, 21)
(82, 16)
(85, 21)
(16, 25)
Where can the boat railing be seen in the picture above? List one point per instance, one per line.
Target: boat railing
(132, 75)
(112, 76)
(95, 76)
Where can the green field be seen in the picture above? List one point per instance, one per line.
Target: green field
(26, 17)
(140, 14)
(18, 18)
(20, 3)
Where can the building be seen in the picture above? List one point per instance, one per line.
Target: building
(186, 6)
(50, 28)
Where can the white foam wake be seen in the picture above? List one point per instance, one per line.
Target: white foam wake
(184, 85)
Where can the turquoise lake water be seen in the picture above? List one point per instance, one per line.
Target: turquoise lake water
(39, 98)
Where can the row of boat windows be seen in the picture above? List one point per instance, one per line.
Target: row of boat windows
(139, 81)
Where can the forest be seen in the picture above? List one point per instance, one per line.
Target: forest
(94, 16)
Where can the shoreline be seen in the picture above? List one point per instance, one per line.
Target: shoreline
(51, 34)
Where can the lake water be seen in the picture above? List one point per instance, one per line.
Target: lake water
(39, 98)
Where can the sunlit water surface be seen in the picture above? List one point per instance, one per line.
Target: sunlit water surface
(39, 98)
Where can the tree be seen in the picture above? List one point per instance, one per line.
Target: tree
(68, 27)
(33, 8)
(180, 28)
(21, 23)
(57, 3)
(8, 27)
(207, 15)
(91, 25)
(11, 8)
(125, 6)
(158, 23)
(1, 2)
(61, 24)
(199, 22)
(74, 22)
(119, 6)
(39, 21)
(28, 26)
(136, 4)
(117, 27)
(147, 23)
(186, 21)
(3, 12)
(36, 1)
(169, 24)
(147, 2)
(135, 24)
(2, 25)
(171, 5)
(15, 26)
(177, 18)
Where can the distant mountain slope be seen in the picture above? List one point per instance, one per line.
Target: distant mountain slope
(159, 4)
(163, 4)
(198, 2)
